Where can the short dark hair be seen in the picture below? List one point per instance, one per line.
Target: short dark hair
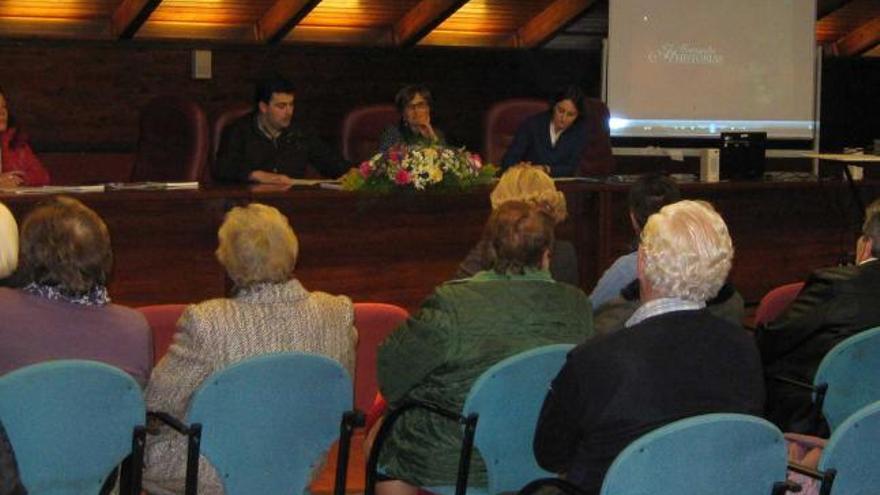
(516, 237)
(65, 244)
(649, 194)
(407, 93)
(271, 85)
(572, 93)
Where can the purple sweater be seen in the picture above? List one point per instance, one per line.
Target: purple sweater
(34, 329)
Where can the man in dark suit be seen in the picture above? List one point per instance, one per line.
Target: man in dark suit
(835, 303)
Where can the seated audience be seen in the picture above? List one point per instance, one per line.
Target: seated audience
(8, 242)
(555, 138)
(461, 330)
(414, 104)
(674, 359)
(63, 310)
(19, 166)
(270, 312)
(267, 147)
(531, 184)
(646, 196)
(835, 303)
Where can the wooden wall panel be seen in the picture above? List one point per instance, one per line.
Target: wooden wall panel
(87, 96)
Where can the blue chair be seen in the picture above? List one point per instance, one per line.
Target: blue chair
(506, 401)
(721, 454)
(71, 423)
(850, 377)
(265, 422)
(850, 462)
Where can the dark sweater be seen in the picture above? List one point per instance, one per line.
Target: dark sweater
(835, 303)
(614, 389)
(244, 149)
(531, 143)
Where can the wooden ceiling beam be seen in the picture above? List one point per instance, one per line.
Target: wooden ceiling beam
(130, 16)
(422, 19)
(281, 18)
(550, 21)
(859, 40)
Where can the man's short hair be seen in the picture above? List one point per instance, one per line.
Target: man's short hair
(517, 236)
(407, 93)
(8, 242)
(686, 251)
(650, 193)
(66, 245)
(871, 227)
(532, 184)
(257, 245)
(269, 86)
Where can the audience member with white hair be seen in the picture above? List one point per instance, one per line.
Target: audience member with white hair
(672, 360)
(270, 312)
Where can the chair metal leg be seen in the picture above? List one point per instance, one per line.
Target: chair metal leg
(464, 457)
(194, 446)
(350, 420)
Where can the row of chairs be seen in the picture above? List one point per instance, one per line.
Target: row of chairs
(720, 453)
(177, 142)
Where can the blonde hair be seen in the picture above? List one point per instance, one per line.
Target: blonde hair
(531, 184)
(257, 245)
(8, 242)
(687, 251)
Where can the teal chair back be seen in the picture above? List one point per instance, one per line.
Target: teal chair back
(853, 453)
(852, 372)
(507, 400)
(721, 454)
(267, 420)
(71, 422)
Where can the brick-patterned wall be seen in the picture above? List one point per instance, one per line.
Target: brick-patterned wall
(85, 96)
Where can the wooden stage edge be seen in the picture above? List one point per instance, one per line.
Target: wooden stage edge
(396, 248)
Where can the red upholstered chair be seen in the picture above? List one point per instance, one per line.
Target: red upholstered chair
(163, 323)
(223, 118)
(374, 322)
(501, 122)
(361, 129)
(598, 158)
(776, 301)
(173, 141)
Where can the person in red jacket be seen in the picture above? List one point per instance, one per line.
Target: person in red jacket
(19, 166)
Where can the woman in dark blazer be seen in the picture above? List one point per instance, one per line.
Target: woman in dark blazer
(555, 138)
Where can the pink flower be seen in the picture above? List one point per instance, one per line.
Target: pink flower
(402, 177)
(476, 161)
(366, 168)
(395, 155)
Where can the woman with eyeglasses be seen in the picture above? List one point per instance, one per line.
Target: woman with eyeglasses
(555, 138)
(414, 104)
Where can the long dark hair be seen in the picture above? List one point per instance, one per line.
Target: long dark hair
(19, 138)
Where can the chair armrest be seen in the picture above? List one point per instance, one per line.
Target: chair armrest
(469, 422)
(169, 420)
(825, 477)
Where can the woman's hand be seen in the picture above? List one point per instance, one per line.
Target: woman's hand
(11, 179)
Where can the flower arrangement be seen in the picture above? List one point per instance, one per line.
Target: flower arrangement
(419, 167)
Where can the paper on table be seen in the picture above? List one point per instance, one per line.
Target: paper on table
(54, 189)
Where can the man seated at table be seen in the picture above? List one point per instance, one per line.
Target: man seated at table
(674, 359)
(267, 148)
(835, 303)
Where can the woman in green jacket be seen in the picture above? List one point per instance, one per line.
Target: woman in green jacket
(461, 330)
